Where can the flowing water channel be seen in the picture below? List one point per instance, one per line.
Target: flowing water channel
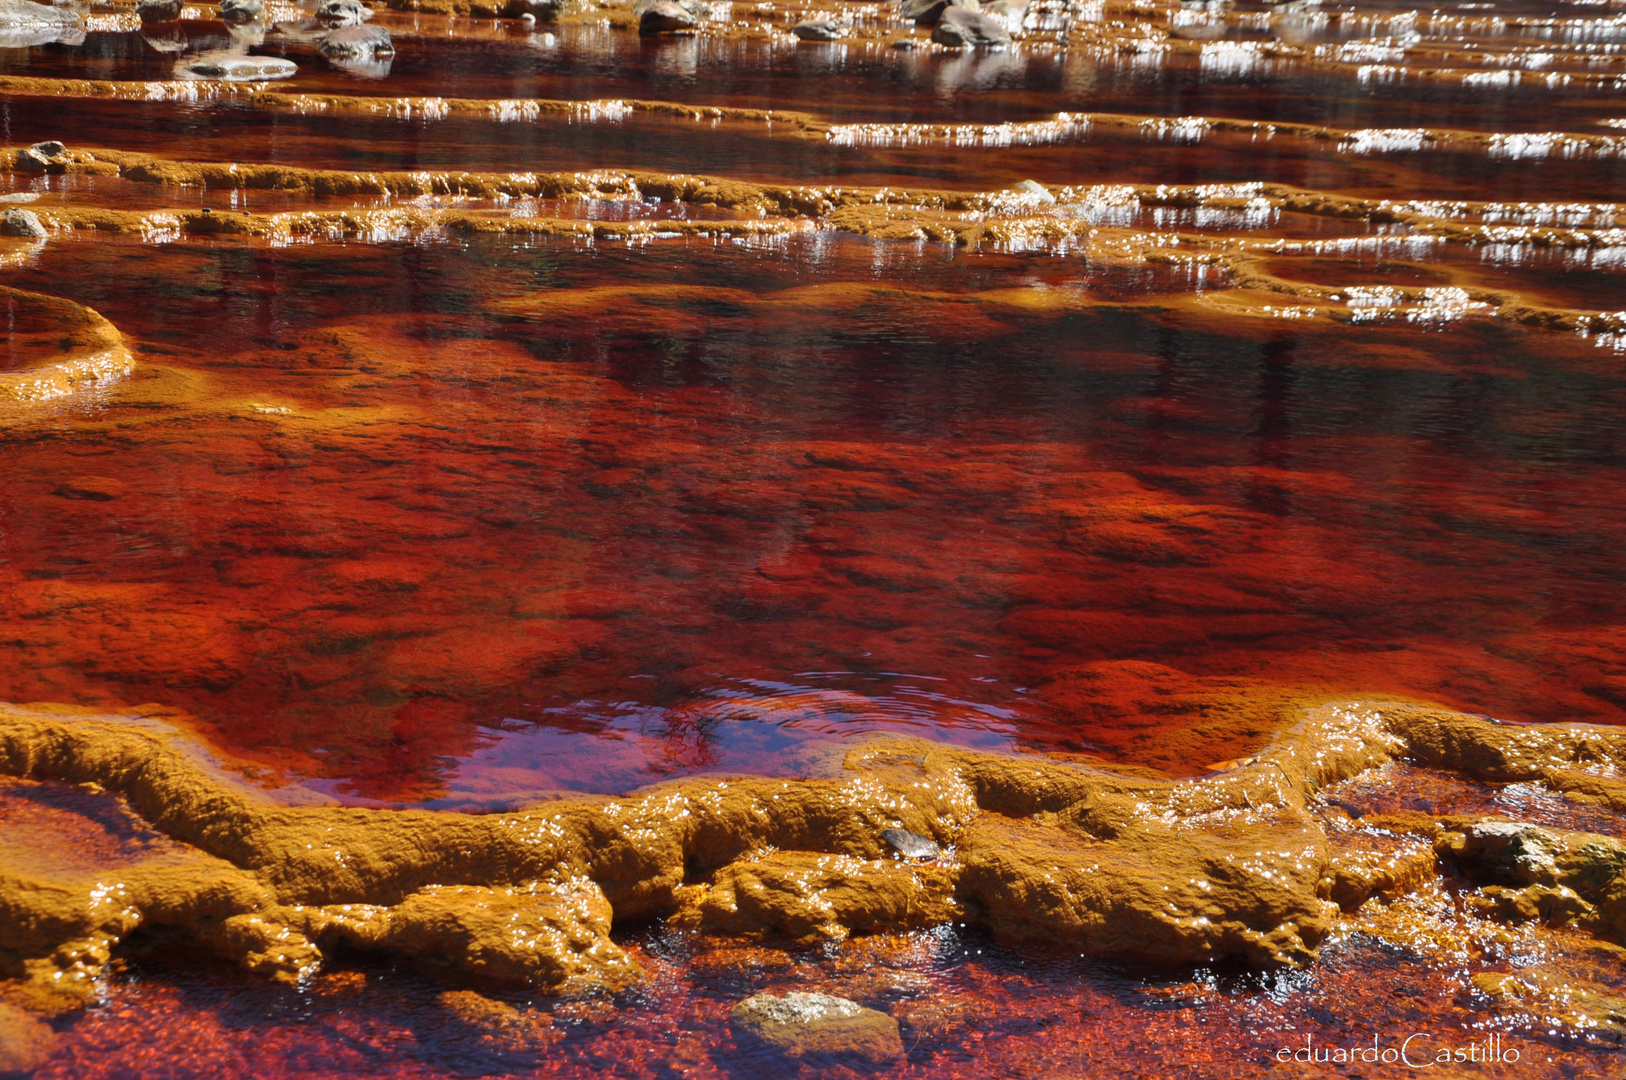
(546, 410)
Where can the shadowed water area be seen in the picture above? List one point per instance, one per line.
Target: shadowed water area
(1189, 431)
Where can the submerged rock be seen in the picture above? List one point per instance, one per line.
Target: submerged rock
(91, 488)
(24, 1041)
(816, 1029)
(357, 42)
(663, 16)
(241, 11)
(961, 28)
(498, 1027)
(158, 11)
(337, 13)
(934, 1020)
(1574, 1004)
(236, 67)
(168, 42)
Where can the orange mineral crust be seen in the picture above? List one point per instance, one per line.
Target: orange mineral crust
(1493, 923)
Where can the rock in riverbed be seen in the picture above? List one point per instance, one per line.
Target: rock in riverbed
(1034, 191)
(1010, 13)
(168, 42)
(158, 11)
(43, 157)
(662, 16)
(910, 845)
(536, 10)
(816, 1029)
(364, 42)
(19, 222)
(338, 13)
(1550, 872)
(498, 1027)
(928, 12)
(238, 67)
(960, 29)
(23, 24)
(818, 30)
(240, 11)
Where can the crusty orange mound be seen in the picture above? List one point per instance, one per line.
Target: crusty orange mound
(1235, 865)
(81, 348)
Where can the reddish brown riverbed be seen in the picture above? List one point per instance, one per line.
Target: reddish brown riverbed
(405, 511)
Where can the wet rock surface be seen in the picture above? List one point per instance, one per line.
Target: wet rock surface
(663, 16)
(816, 1029)
(536, 934)
(24, 24)
(911, 845)
(500, 1028)
(16, 221)
(929, 12)
(159, 11)
(25, 1041)
(238, 12)
(238, 67)
(1557, 875)
(43, 157)
(57, 347)
(810, 898)
(1574, 1003)
(960, 27)
(357, 41)
(818, 30)
(342, 13)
